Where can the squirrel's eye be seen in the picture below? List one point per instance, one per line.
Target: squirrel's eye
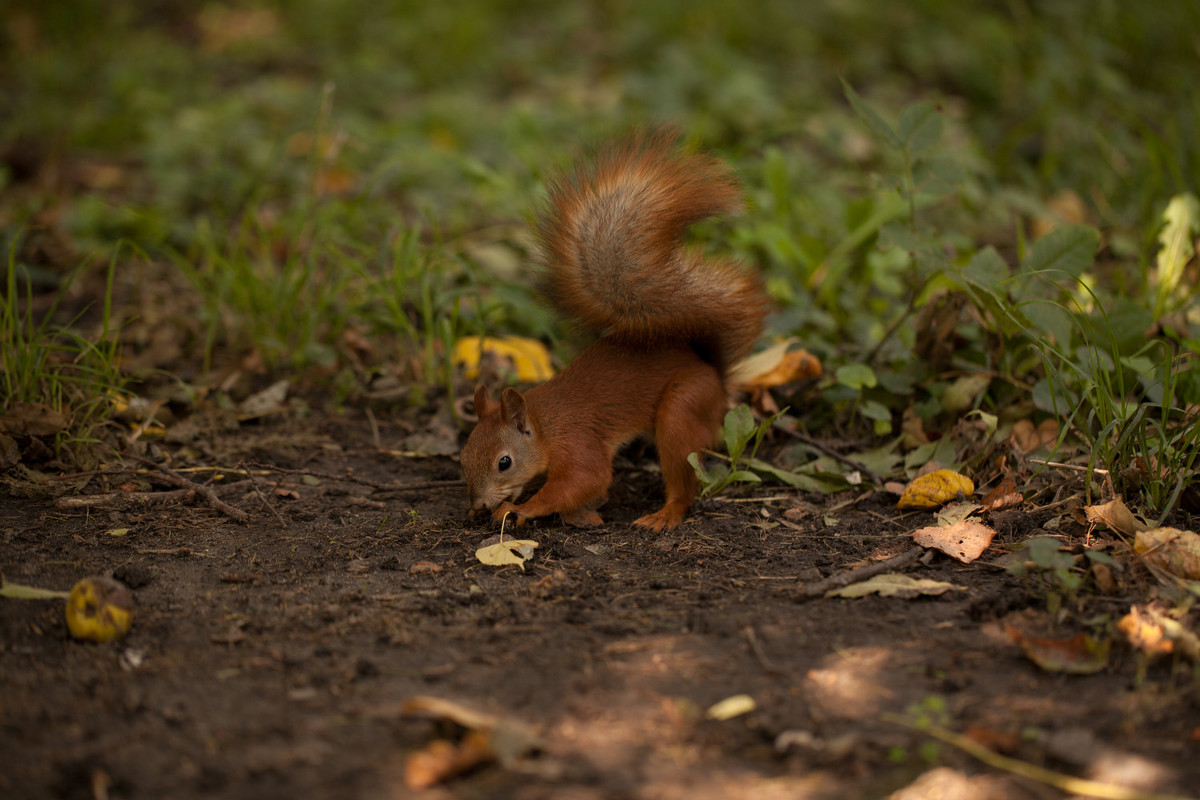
(505, 463)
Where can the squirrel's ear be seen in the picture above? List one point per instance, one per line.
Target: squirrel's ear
(512, 408)
(483, 401)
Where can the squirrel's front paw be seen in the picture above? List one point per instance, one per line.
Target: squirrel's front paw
(506, 509)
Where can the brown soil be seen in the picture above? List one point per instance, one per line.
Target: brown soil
(274, 659)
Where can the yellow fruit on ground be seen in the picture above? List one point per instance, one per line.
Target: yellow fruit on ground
(99, 610)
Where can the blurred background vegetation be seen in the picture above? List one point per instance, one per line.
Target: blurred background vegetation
(338, 190)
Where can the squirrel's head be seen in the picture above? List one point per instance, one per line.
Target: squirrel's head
(503, 452)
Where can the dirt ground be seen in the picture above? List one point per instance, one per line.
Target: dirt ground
(275, 658)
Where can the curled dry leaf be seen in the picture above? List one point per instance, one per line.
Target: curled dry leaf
(1116, 515)
(1170, 549)
(935, 489)
(487, 738)
(775, 366)
(965, 540)
(1003, 496)
(1154, 633)
(1025, 438)
(1079, 655)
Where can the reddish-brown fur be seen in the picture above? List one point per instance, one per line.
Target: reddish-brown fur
(671, 323)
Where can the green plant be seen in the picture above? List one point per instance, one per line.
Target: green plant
(51, 366)
(1058, 571)
(739, 432)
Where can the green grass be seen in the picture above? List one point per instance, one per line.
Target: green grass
(53, 377)
(323, 174)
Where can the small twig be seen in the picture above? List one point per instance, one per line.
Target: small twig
(374, 428)
(850, 462)
(390, 487)
(1066, 783)
(172, 477)
(819, 588)
(757, 649)
(125, 499)
(263, 498)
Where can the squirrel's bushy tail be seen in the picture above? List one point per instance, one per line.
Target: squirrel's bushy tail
(613, 233)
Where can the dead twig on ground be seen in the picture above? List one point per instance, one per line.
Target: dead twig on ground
(850, 462)
(389, 487)
(808, 591)
(126, 499)
(174, 478)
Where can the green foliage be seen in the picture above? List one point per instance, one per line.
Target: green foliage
(740, 432)
(331, 169)
(52, 366)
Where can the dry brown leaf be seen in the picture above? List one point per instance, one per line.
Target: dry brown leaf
(1116, 515)
(935, 489)
(965, 540)
(1025, 438)
(32, 419)
(1065, 206)
(1155, 633)
(1170, 549)
(1145, 633)
(913, 429)
(1003, 496)
(1079, 655)
(775, 366)
(441, 759)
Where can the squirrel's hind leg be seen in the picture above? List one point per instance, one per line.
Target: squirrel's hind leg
(687, 420)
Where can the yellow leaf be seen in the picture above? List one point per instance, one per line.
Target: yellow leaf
(511, 551)
(731, 707)
(935, 489)
(528, 357)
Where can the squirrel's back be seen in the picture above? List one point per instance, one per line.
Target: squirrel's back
(613, 235)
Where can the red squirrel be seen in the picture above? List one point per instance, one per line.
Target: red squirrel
(671, 323)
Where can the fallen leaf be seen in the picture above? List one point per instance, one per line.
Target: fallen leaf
(1170, 549)
(1003, 496)
(529, 358)
(32, 419)
(731, 707)
(488, 738)
(1145, 632)
(1115, 515)
(960, 395)
(510, 551)
(442, 759)
(1025, 438)
(965, 540)
(1081, 654)
(956, 512)
(775, 366)
(268, 401)
(894, 585)
(935, 489)
(1065, 206)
